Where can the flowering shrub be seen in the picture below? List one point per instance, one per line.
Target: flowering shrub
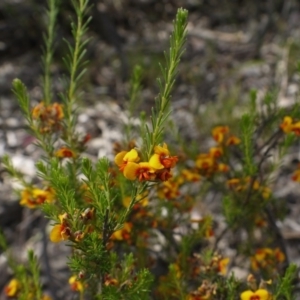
(130, 222)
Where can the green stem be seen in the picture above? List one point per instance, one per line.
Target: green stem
(52, 13)
(159, 115)
(74, 66)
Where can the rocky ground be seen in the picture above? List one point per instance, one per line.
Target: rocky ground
(229, 51)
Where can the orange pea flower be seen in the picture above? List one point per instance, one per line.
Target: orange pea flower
(13, 287)
(222, 265)
(33, 197)
(296, 176)
(50, 113)
(123, 233)
(219, 132)
(215, 152)
(260, 294)
(222, 136)
(110, 281)
(49, 117)
(280, 257)
(161, 158)
(65, 152)
(168, 190)
(266, 257)
(223, 168)
(60, 232)
(233, 140)
(142, 171)
(124, 157)
(286, 125)
(205, 161)
(39, 111)
(188, 175)
(75, 284)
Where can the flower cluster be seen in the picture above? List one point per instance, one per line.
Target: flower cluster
(223, 137)
(288, 125)
(33, 197)
(187, 175)
(158, 168)
(267, 258)
(63, 231)
(243, 184)
(49, 117)
(209, 163)
(170, 189)
(200, 265)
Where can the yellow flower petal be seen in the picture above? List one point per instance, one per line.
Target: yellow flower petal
(126, 201)
(223, 265)
(132, 155)
(55, 234)
(263, 294)
(155, 162)
(286, 125)
(162, 150)
(63, 217)
(247, 295)
(119, 158)
(130, 171)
